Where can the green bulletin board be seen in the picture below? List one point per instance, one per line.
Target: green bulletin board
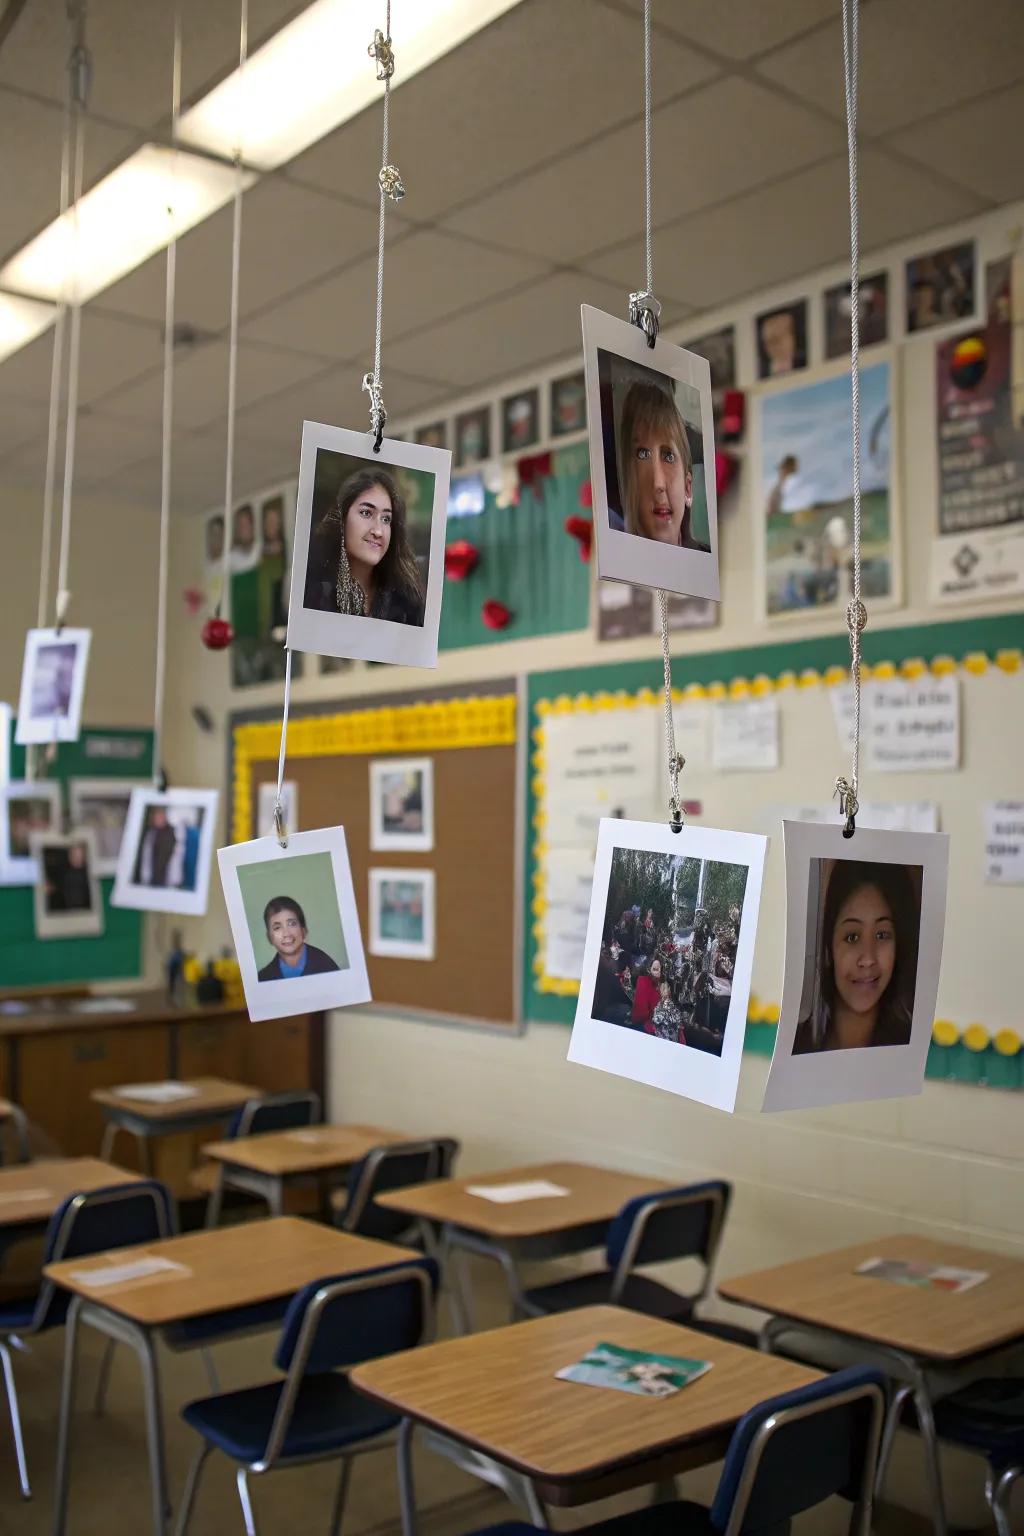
(26, 961)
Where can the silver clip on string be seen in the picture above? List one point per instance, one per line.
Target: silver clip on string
(280, 828)
(389, 184)
(856, 613)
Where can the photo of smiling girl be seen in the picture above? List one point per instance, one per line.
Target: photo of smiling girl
(361, 560)
(285, 923)
(866, 961)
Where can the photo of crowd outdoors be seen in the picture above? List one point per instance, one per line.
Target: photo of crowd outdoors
(668, 947)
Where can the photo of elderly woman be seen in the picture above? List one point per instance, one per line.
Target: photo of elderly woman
(860, 990)
(287, 932)
(363, 554)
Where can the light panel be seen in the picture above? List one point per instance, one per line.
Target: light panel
(314, 75)
(21, 321)
(156, 194)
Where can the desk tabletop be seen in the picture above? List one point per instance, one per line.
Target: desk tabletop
(826, 1292)
(306, 1150)
(213, 1096)
(594, 1195)
(31, 1192)
(498, 1392)
(224, 1268)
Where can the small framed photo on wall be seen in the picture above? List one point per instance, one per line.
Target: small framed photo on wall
(782, 340)
(473, 436)
(520, 421)
(433, 435)
(52, 685)
(402, 913)
(873, 304)
(941, 287)
(402, 805)
(568, 404)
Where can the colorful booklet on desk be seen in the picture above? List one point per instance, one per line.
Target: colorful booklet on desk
(926, 1277)
(634, 1370)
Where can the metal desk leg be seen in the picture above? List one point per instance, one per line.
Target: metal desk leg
(154, 1430)
(451, 1261)
(110, 1131)
(12, 1403)
(930, 1442)
(406, 1491)
(67, 1403)
(275, 1196)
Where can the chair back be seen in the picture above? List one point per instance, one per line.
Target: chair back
(392, 1167)
(793, 1452)
(679, 1223)
(116, 1216)
(275, 1112)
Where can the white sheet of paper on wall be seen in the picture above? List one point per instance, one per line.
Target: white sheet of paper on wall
(569, 875)
(891, 816)
(745, 734)
(692, 720)
(1004, 842)
(914, 725)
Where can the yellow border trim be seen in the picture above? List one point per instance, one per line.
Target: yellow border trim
(427, 726)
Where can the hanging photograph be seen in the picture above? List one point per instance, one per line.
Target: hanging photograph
(873, 294)
(52, 685)
(369, 547)
(940, 287)
(259, 587)
(166, 851)
(67, 893)
(6, 724)
(520, 421)
(669, 949)
(652, 458)
(473, 436)
(294, 923)
(864, 925)
(266, 800)
(402, 913)
(402, 805)
(568, 404)
(100, 806)
(803, 463)
(782, 340)
(25, 809)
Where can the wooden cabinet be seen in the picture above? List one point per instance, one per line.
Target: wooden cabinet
(56, 1073)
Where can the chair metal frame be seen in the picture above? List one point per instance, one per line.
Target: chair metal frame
(362, 1195)
(273, 1452)
(263, 1186)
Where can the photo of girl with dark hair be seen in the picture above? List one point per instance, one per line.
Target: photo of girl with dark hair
(866, 958)
(285, 923)
(361, 559)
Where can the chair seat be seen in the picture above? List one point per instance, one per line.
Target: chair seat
(329, 1414)
(717, 1328)
(639, 1295)
(987, 1416)
(678, 1517)
(216, 1325)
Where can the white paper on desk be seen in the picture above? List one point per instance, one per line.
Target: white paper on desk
(10, 1195)
(157, 1093)
(745, 733)
(313, 1136)
(1004, 842)
(511, 1194)
(103, 1005)
(121, 1274)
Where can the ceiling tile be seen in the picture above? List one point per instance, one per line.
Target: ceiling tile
(916, 58)
(201, 384)
(112, 351)
(335, 396)
(513, 333)
(594, 197)
(788, 229)
(31, 132)
(197, 472)
(978, 145)
(427, 275)
(273, 261)
(537, 81)
(737, 28)
(102, 445)
(20, 420)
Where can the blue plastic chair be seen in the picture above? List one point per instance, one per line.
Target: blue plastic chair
(786, 1456)
(260, 1117)
(650, 1229)
(314, 1414)
(115, 1216)
(393, 1167)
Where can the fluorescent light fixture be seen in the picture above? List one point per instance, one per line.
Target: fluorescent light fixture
(21, 321)
(147, 200)
(314, 75)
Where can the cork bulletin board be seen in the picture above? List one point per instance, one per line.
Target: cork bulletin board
(469, 735)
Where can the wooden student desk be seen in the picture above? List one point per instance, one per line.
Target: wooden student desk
(925, 1340)
(31, 1192)
(225, 1269)
(527, 1229)
(497, 1393)
(265, 1164)
(213, 1099)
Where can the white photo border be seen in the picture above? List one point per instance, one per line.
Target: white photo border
(97, 789)
(625, 556)
(691, 1073)
(401, 842)
(349, 635)
(296, 994)
(872, 1072)
(30, 732)
(146, 898)
(65, 925)
(404, 949)
(24, 871)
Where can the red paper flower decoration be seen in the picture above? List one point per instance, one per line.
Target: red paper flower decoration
(217, 634)
(460, 560)
(725, 469)
(586, 495)
(582, 530)
(194, 599)
(495, 615)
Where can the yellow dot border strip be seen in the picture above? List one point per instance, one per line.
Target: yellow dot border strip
(425, 726)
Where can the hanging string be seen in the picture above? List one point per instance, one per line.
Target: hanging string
(856, 613)
(56, 383)
(390, 186)
(236, 264)
(280, 827)
(159, 777)
(79, 67)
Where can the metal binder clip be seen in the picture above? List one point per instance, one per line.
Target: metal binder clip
(645, 311)
(848, 805)
(281, 831)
